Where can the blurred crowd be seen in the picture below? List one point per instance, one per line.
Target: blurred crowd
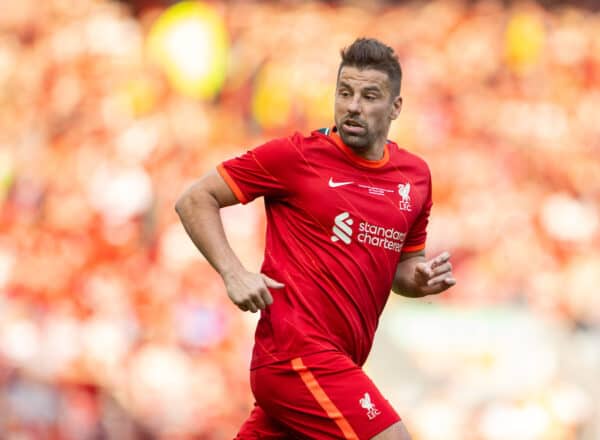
(113, 326)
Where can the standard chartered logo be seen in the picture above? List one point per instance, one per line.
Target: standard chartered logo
(368, 233)
(342, 228)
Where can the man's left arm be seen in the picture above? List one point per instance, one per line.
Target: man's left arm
(416, 276)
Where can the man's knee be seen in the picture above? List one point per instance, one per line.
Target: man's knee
(395, 432)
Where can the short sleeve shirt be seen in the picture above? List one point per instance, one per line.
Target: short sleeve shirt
(337, 225)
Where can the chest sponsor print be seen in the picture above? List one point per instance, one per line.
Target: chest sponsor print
(367, 233)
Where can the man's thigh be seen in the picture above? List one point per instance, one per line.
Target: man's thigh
(395, 432)
(322, 396)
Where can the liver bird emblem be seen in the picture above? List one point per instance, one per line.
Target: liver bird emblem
(404, 190)
(366, 403)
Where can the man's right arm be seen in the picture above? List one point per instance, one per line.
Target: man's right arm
(198, 208)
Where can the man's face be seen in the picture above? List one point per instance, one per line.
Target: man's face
(364, 107)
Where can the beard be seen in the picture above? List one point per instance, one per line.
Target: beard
(359, 142)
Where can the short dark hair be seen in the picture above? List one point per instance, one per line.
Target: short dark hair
(369, 53)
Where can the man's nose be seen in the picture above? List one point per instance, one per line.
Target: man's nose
(354, 105)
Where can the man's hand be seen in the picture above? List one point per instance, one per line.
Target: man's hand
(435, 275)
(416, 277)
(250, 291)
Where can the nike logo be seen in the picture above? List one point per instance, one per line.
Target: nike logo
(333, 184)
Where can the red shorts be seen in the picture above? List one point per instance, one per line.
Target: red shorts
(320, 396)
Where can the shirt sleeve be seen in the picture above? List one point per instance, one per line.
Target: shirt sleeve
(417, 235)
(262, 171)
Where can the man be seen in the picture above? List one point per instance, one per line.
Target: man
(346, 222)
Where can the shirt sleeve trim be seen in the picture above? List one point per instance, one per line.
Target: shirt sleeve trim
(231, 184)
(414, 248)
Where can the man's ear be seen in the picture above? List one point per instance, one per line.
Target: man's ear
(396, 107)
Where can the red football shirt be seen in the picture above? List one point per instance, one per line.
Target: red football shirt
(336, 227)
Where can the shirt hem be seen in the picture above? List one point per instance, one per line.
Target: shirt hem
(270, 359)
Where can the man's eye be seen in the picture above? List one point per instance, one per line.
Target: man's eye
(344, 93)
(371, 97)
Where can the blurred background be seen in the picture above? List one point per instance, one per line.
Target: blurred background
(113, 326)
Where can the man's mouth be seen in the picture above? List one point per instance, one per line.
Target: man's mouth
(353, 127)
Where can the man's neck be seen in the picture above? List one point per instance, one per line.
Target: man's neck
(374, 152)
